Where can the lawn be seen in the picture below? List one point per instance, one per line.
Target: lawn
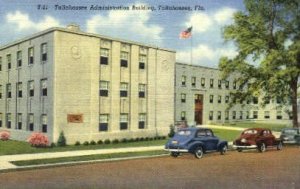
(228, 135)
(272, 126)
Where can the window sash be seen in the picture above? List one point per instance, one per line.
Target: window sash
(124, 55)
(44, 119)
(124, 118)
(103, 118)
(104, 85)
(124, 86)
(142, 87)
(142, 58)
(104, 52)
(142, 117)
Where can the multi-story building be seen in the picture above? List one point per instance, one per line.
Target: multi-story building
(89, 86)
(202, 97)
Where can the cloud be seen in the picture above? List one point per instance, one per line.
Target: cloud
(205, 55)
(134, 25)
(201, 22)
(224, 15)
(23, 22)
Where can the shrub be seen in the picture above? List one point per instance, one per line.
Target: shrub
(4, 135)
(151, 138)
(172, 131)
(136, 139)
(115, 141)
(107, 141)
(142, 139)
(61, 139)
(38, 140)
(100, 142)
(92, 142)
(163, 137)
(77, 143)
(86, 143)
(124, 140)
(147, 138)
(52, 145)
(131, 140)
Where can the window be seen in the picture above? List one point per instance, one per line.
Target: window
(279, 114)
(31, 88)
(183, 80)
(255, 114)
(1, 91)
(211, 115)
(8, 90)
(30, 56)
(44, 52)
(255, 100)
(124, 59)
(183, 97)
(220, 84)
(183, 114)
(267, 100)
(103, 122)
(234, 84)
(142, 89)
(198, 98)
(104, 54)
(247, 115)
(19, 58)
(226, 99)
(123, 89)
(8, 57)
(0, 63)
(8, 120)
(30, 126)
(219, 99)
(123, 121)
(211, 98)
(19, 125)
(19, 87)
(142, 61)
(104, 85)
(241, 114)
(227, 84)
(1, 119)
(142, 121)
(233, 114)
(193, 81)
(267, 115)
(211, 83)
(44, 87)
(226, 115)
(219, 115)
(44, 123)
(203, 82)
(278, 100)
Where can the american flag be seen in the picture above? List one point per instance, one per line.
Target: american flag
(186, 33)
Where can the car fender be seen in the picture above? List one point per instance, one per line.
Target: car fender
(221, 143)
(193, 145)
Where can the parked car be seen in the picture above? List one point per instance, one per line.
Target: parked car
(257, 138)
(195, 140)
(290, 135)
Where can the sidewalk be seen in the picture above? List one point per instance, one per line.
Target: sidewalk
(5, 160)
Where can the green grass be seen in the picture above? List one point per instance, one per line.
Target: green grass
(228, 135)
(272, 126)
(18, 147)
(88, 158)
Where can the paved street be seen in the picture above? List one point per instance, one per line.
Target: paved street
(272, 169)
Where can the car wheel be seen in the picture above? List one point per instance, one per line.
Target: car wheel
(262, 147)
(239, 149)
(279, 146)
(174, 154)
(198, 152)
(224, 150)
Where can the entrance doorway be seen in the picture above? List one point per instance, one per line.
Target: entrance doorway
(198, 109)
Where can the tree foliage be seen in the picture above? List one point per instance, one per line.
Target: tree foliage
(267, 36)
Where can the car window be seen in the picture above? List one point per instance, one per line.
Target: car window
(209, 133)
(289, 131)
(250, 132)
(184, 133)
(201, 133)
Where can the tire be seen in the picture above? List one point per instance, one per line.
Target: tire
(262, 147)
(175, 154)
(279, 146)
(198, 152)
(239, 149)
(223, 150)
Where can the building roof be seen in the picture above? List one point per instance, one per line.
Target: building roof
(78, 32)
(197, 66)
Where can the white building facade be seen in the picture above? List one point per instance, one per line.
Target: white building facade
(91, 87)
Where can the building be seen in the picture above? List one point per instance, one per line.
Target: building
(202, 97)
(89, 86)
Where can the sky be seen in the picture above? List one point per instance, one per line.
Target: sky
(158, 26)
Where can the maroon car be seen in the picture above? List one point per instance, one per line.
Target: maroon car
(257, 138)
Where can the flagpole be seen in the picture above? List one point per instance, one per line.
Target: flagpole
(191, 49)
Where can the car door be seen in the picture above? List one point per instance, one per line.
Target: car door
(268, 138)
(211, 141)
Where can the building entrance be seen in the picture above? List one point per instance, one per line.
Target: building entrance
(198, 109)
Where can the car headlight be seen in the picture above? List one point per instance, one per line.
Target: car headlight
(243, 140)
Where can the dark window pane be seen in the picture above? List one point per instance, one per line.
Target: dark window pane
(20, 94)
(20, 125)
(104, 60)
(31, 127)
(31, 60)
(279, 117)
(142, 94)
(103, 92)
(0, 123)
(44, 128)
(44, 92)
(9, 66)
(44, 57)
(103, 126)
(123, 126)
(141, 124)
(123, 93)
(8, 124)
(19, 63)
(142, 65)
(31, 93)
(124, 63)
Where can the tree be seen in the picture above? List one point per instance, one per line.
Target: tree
(267, 36)
(61, 139)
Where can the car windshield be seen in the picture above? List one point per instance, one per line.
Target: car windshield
(289, 131)
(250, 132)
(184, 133)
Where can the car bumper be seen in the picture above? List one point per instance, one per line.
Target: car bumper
(176, 150)
(289, 141)
(244, 147)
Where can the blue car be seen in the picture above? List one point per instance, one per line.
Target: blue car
(195, 140)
